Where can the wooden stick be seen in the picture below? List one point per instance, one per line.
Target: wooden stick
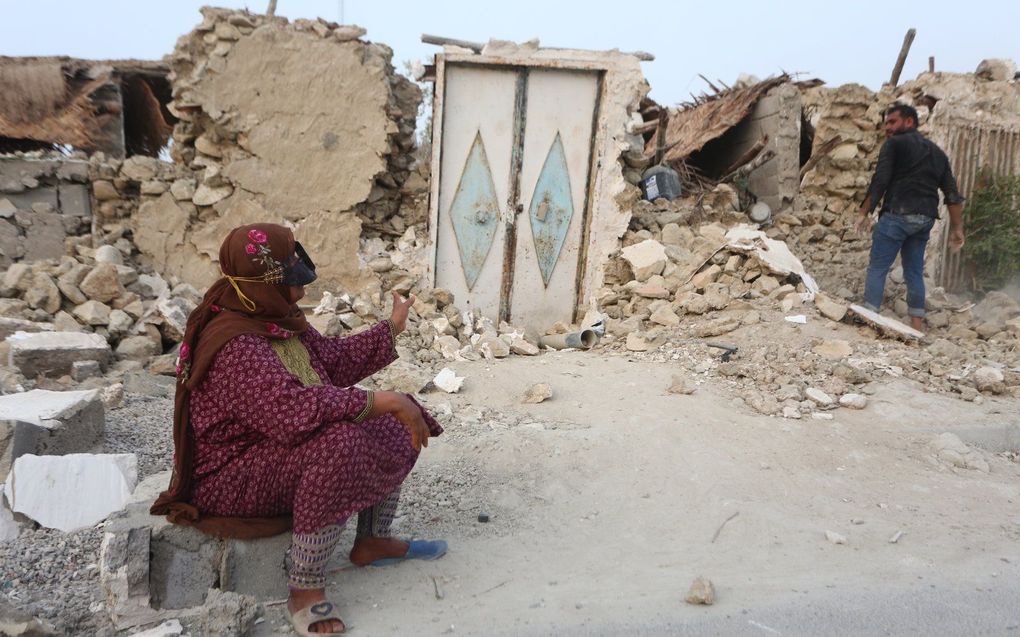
(747, 155)
(931, 63)
(709, 82)
(908, 39)
(441, 41)
(271, 10)
(822, 151)
(719, 530)
(647, 127)
(660, 137)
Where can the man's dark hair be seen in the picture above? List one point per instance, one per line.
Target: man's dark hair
(905, 111)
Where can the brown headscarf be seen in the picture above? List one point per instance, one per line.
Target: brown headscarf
(247, 300)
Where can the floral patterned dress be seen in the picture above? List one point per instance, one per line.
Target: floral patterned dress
(268, 445)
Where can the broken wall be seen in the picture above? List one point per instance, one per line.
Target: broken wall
(300, 123)
(43, 203)
(949, 105)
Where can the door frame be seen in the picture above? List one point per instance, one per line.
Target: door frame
(514, 207)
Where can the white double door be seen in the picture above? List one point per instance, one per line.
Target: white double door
(514, 176)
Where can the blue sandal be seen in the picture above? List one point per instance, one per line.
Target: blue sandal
(416, 550)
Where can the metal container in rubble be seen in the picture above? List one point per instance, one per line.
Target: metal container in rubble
(660, 181)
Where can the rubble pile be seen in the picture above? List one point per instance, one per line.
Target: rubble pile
(68, 321)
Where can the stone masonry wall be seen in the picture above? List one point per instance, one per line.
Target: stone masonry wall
(302, 123)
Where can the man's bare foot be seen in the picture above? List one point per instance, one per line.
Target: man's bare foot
(369, 549)
(301, 599)
(917, 322)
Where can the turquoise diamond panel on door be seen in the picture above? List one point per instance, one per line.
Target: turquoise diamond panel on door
(551, 209)
(474, 212)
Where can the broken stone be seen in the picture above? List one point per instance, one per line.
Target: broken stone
(44, 293)
(53, 353)
(818, 397)
(830, 309)
(717, 295)
(996, 69)
(228, 613)
(646, 259)
(695, 304)
(717, 327)
(104, 190)
(139, 168)
(706, 276)
(949, 449)
(174, 312)
(183, 189)
(9, 326)
(853, 401)
(537, 393)
(207, 195)
(448, 381)
(108, 254)
(112, 396)
(702, 591)
(93, 313)
(137, 348)
(886, 324)
(665, 315)
(71, 492)
(833, 350)
(789, 411)
(834, 537)
(9, 530)
(46, 422)
(348, 32)
(681, 386)
(102, 283)
(989, 379)
(638, 343)
(492, 347)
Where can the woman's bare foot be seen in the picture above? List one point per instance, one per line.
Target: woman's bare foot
(369, 549)
(301, 599)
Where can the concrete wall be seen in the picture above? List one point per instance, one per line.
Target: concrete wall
(778, 115)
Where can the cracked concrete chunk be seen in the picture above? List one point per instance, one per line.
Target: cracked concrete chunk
(102, 283)
(71, 492)
(702, 591)
(52, 353)
(48, 422)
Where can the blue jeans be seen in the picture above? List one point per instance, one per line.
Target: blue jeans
(908, 236)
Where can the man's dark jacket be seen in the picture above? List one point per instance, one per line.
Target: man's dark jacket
(911, 170)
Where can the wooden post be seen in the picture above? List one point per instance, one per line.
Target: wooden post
(908, 39)
(271, 11)
(931, 63)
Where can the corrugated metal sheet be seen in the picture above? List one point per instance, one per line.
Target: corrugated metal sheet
(972, 149)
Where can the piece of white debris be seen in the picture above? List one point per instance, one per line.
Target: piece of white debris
(834, 537)
(797, 318)
(448, 381)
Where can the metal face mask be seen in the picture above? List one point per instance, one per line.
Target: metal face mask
(298, 269)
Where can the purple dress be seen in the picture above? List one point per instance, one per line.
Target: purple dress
(268, 445)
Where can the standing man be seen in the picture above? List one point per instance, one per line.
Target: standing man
(911, 170)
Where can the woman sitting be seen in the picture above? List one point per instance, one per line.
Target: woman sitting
(269, 433)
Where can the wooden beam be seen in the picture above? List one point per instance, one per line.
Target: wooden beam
(931, 63)
(822, 151)
(647, 127)
(441, 41)
(271, 10)
(908, 39)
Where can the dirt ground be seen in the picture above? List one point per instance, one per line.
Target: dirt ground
(609, 498)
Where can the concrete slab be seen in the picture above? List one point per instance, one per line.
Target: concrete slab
(71, 492)
(53, 353)
(43, 422)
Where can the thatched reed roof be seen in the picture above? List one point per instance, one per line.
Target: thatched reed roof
(60, 100)
(689, 129)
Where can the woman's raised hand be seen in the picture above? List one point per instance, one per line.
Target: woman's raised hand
(400, 307)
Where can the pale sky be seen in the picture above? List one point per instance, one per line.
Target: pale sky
(839, 42)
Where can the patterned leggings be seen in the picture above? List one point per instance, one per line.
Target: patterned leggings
(309, 552)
